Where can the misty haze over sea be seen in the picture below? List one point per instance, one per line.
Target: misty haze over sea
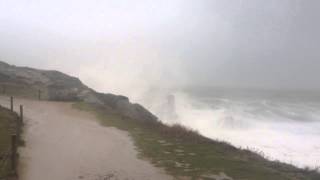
(281, 125)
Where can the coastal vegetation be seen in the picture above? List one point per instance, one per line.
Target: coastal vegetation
(7, 128)
(184, 153)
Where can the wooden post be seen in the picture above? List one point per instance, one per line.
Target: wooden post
(11, 103)
(13, 152)
(21, 114)
(18, 127)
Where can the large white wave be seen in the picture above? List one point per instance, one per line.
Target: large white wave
(284, 131)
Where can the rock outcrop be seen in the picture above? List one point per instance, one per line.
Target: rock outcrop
(122, 105)
(54, 85)
(58, 86)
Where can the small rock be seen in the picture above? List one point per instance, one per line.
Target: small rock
(221, 176)
(162, 141)
(177, 164)
(179, 150)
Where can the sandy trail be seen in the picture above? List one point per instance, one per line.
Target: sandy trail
(63, 143)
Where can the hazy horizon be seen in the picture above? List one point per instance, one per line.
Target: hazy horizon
(239, 44)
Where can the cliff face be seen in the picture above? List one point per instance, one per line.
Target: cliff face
(57, 86)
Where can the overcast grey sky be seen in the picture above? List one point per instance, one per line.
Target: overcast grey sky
(117, 44)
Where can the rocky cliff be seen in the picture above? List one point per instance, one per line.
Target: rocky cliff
(58, 86)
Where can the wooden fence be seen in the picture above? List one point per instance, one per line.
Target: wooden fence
(12, 89)
(10, 156)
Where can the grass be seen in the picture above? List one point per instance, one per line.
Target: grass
(7, 128)
(20, 90)
(185, 153)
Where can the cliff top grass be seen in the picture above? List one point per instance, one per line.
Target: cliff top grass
(185, 153)
(7, 119)
(20, 90)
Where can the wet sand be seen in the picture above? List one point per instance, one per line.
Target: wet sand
(63, 143)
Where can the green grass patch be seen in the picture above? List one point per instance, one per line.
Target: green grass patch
(183, 152)
(20, 90)
(8, 125)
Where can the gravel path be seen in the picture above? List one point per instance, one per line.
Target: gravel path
(63, 143)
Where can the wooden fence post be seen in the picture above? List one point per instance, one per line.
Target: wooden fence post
(11, 103)
(13, 152)
(19, 122)
(21, 114)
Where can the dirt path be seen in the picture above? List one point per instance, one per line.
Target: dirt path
(63, 143)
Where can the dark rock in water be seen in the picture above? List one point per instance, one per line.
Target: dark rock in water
(55, 85)
(170, 108)
(171, 105)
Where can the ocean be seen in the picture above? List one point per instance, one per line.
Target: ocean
(280, 125)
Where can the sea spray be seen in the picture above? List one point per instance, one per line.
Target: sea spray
(281, 129)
